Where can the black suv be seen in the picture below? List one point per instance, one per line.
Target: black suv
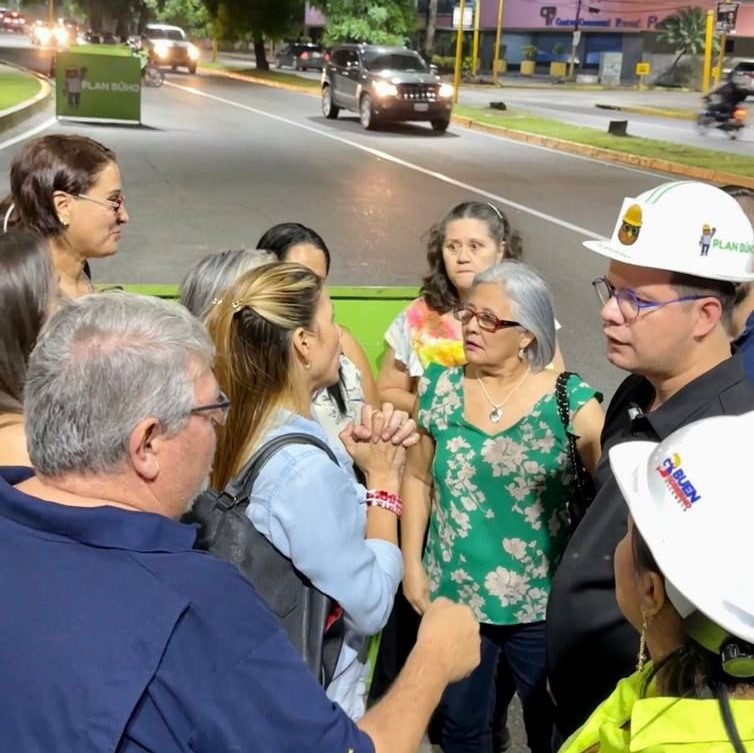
(384, 84)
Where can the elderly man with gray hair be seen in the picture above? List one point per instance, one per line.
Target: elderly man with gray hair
(116, 634)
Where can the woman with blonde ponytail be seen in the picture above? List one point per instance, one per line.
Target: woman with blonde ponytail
(277, 345)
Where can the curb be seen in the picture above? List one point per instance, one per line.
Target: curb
(15, 115)
(607, 155)
(658, 112)
(310, 90)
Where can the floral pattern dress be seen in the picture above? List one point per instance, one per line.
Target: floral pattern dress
(498, 525)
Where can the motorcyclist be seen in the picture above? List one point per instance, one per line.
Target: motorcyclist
(725, 98)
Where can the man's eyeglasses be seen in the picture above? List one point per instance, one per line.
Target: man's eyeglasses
(487, 322)
(115, 204)
(630, 304)
(218, 411)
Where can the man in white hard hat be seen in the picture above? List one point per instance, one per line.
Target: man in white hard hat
(683, 581)
(665, 314)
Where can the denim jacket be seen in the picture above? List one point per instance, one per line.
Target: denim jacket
(315, 513)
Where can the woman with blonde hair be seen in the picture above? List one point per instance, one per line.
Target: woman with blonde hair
(277, 345)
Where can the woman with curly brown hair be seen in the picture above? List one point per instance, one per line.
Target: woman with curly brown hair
(471, 238)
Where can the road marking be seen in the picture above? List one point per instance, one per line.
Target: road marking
(398, 161)
(28, 134)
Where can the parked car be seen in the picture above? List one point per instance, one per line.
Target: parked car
(301, 56)
(384, 84)
(169, 45)
(15, 22)
(742, 75)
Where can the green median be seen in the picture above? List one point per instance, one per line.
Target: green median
(16, 87)
(272, 77)
(634, 145)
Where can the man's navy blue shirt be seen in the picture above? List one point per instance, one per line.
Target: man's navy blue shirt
(116, 636)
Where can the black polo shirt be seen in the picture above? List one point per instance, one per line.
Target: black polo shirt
(590, 644)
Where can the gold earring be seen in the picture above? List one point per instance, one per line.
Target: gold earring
(641, 657)
(521, 353)
(307, 365)
(63, 222)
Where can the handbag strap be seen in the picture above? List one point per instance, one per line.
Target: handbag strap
(561, 398)
(238, 489)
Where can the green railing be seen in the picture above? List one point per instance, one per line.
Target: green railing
(365, 311)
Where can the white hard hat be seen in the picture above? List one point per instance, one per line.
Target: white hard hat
(690, 498)
(687, 227)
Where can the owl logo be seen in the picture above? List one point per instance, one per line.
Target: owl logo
(631, 225)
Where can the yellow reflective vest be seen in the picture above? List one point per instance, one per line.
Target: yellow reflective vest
(626, 722)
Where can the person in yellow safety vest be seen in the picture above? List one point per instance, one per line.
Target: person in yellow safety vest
(683, 578)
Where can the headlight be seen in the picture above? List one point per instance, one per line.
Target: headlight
(161, 50)
(385, 89)
(446, 90)
(193, 52)
(61, 35)
(43, 35)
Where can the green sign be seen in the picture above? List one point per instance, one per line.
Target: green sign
(98, 87)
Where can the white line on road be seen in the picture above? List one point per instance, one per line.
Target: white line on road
(28, 134)
(398, 161)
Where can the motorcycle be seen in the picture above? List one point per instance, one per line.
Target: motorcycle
(730, 122)
(152, 76)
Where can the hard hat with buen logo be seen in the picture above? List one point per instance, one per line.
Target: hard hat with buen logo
(690, 498)
(686, 227)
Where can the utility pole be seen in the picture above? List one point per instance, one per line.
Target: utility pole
(575, 42)
(459, 53)
(708, 36)
(51, 11)
(475, 45)
(498, 34)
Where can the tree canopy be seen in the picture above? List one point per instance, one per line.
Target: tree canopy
(386, 22)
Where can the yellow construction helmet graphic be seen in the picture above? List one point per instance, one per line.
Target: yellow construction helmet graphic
(631, 225)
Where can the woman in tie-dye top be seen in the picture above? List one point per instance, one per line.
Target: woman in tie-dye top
(471, 238)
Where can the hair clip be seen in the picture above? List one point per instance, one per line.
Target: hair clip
(496, 211)
(8, 214)
(215, 301)
(236, 306)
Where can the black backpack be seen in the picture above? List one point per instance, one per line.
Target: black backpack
(312, 620)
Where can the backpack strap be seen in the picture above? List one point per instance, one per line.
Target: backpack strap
(238, 489)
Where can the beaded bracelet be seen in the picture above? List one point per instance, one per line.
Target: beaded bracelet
(386, 500)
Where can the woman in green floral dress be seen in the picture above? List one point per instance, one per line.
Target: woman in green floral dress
(494, 450)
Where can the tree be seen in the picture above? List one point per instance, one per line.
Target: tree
(271, 19)
(429, 39)
(389, 22)
(685, 31)
(191, 15)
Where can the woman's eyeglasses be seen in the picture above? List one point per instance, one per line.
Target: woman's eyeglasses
(487, 322)
(115, 204)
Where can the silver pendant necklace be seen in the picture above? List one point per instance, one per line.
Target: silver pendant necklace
(496, 414)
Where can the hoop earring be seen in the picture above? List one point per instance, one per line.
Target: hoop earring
(641, 657)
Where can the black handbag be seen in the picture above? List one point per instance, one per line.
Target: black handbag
(312, 620)
(579, 503)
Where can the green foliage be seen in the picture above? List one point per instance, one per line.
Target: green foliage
(529, 52)
(268, 19)
(684, 31)
(558, 49)
(447, 64)
(191, 15)
(389, 22)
